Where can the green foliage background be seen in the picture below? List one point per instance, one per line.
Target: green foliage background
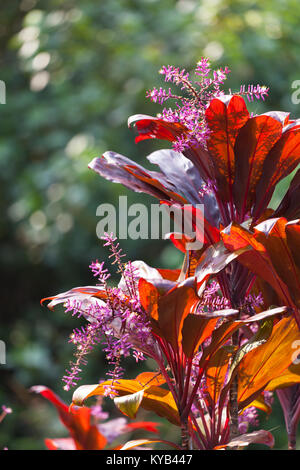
(74, 71)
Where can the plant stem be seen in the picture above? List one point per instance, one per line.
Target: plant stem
(292, 441)
(185, 437)
(233, 391)
(233, 398)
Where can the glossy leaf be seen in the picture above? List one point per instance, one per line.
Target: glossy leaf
(256, 258)
(253, 143)
(129, 404)
(155, 398)
(224, 360)
(149, 127)
(195, 331)
(86, 436)
(225, 116)
(140, 442)
(179, 171)
(290, 377)
(255, 437)
(173, 308)
(149, 295)
(214, 259)
(79, 294)
(150, 378)
(119, 169)
(281, 240)
(266, 362)
(259, 338)
(216, 372)
(282, 160)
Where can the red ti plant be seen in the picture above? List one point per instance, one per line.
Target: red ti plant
(218, 340)
(186, 328)
(88, 428)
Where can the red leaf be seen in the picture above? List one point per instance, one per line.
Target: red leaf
(148, 294)
(173, 307)
(257, 259)
(253, 143)
(225, 118)
(60, 444)
(282, 160)
(149, 127)
(146, 425)
(77, 420)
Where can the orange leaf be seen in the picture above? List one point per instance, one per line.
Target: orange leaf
(267, 362)
(290, 376)
(155, 399)
(195, 331)
(256, 259)
(150, 378)
(173, 307)
(148, 294)
(216, 372)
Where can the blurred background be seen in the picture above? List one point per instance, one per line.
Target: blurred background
(74, 71)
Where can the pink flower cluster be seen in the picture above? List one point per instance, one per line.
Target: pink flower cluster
(191, 106)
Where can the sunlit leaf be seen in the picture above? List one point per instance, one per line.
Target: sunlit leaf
(141, 442)
(149, 298)
(150, 378)
(216, 372)
(259, 338)
(267, 362)
(86, 435)
(155, 398)
(261, 404)
(282, 160)
(196, 329)
(129, 404)
(225, 117)
(119, 169)
(79, 294)
(289, 377)
(149, 127)
(256, 258)
(255, 437)
(149, 426)
(173, 308)
(214, 259)
(253, 143)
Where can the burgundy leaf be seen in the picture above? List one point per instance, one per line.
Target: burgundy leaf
(289, 398)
